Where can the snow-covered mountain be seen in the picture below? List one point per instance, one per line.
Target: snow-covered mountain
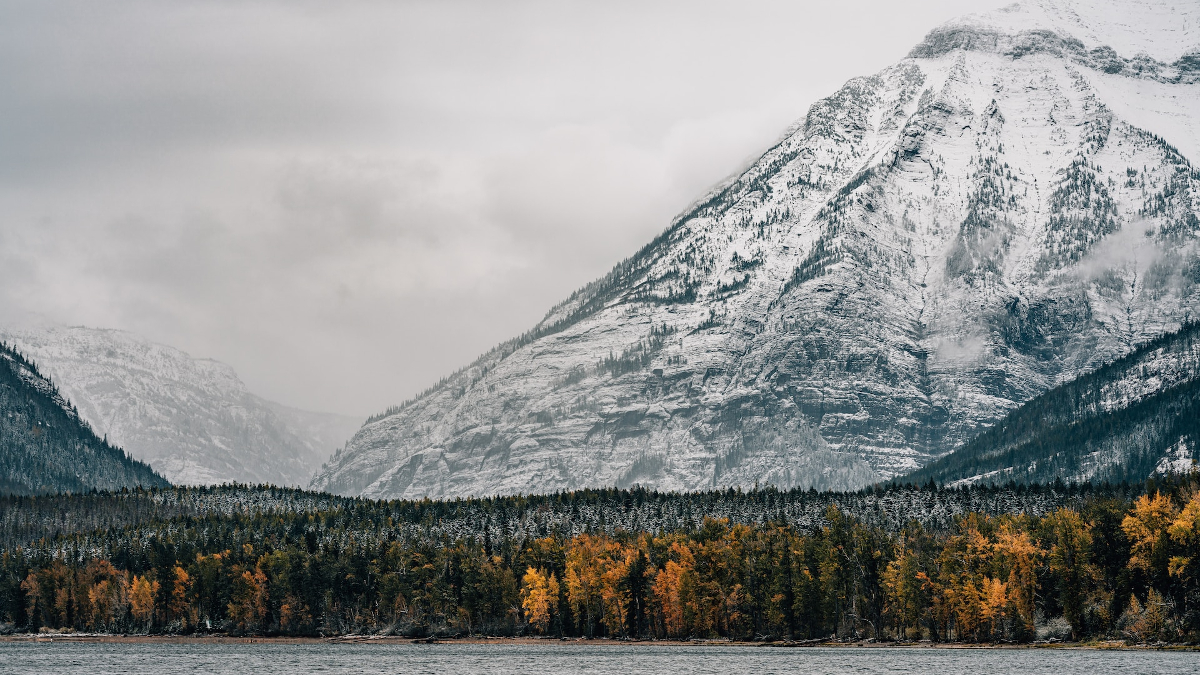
(45, 447)
(191, 419)
(1008, 207)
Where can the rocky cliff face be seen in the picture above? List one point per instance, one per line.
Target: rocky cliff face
(1010, 206)
(192, 419)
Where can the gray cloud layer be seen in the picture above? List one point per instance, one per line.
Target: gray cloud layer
(346, 201)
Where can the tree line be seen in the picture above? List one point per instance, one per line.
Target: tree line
(27, 519)
(1107, 567)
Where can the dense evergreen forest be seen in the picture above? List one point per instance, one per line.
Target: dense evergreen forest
(1123, 421)
(45, 447)
(1119, 561)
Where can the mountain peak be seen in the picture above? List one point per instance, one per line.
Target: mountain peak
(1161, 30)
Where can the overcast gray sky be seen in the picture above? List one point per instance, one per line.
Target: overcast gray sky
(347, 200)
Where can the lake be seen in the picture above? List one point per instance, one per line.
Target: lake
(526, 659)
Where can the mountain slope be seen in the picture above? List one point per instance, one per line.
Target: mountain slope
(191, 418)
(45, 447)
(1125, 421)
(1007, 208)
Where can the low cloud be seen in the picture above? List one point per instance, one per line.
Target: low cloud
(347, 201)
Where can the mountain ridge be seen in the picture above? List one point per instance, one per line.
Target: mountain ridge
(192, 418)
(46, 447)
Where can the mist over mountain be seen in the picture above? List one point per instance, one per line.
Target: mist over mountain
(1011, 206)
(191, 419)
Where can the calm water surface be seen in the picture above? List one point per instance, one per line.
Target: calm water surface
(169, 659)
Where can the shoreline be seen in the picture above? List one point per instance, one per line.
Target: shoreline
(114, 638)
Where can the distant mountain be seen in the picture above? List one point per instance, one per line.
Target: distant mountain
(45, 447)
(1124, 422)
(1009, 207)
(192, 419)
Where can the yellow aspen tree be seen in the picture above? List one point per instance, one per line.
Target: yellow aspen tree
(180, 603)
(96, 595)
(968, 615)
(33, 596)
(553, 593)
(294, 614)
(965, 562)
(666, 594)
(1021, 557)
(670, 592)
(583, 580)
(1070, 542)
(614, 566)
(249, 600)
(1185, 531)
(100, 603)
(62, 601)
(907, 593)
(994, 599)
(539, 597)
(141, 598)
(55, 594)
(1146, 526)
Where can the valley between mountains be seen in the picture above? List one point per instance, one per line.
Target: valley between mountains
(192, 419)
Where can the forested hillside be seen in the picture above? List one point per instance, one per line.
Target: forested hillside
(45, 447)
(1135, 417)
(284, 562)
